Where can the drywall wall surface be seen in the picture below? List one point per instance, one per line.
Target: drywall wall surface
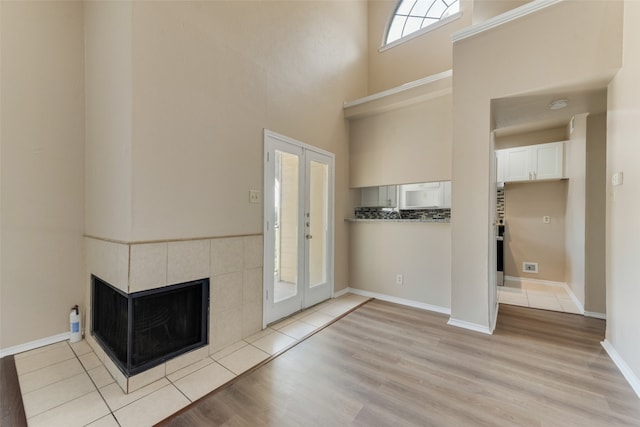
(485, 9)
(527, 238)
(582, 41)
(422, 56)
(532, 138)
(42, 152)
(208, 78)
(596, 212)
(405, 145)
(623, 228)
(420, 252)
(107, 35)
(575, 229)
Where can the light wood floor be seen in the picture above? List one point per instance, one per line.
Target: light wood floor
(390, 365)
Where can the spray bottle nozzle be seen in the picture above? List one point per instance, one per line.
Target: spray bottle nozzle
(75, 307)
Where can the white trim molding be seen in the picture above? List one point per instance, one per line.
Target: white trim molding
(401, 301)
(34, 344)
(410, 93)
(503, 18)
(595, 315)
(470, 326)
(338, 294)
(626, 371)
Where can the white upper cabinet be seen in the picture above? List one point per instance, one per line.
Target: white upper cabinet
(531, 163)
(383, 196)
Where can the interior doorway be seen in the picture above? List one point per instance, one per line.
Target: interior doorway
(298, 226)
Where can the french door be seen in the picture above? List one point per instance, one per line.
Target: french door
(298, 226)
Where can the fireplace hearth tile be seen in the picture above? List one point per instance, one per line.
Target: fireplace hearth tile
(153, 408)
(116, 398)
(203, 381)
(186, 359)
(245, 358)
(100, 376)
(175, 376)
(147, 377)
(85, 409)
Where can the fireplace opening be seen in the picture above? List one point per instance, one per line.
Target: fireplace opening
(143, 329)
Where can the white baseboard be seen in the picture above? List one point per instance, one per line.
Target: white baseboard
(536, 281)
(626, 371)
(595, 315)
(471, 326)
(34, 344)
(341, 292)
(402, 301)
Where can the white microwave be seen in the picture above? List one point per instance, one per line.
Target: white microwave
(425, 195)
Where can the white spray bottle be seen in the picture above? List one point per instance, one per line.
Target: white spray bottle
(74, 320)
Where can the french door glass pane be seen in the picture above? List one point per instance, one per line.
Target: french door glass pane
(286, 226)
(318, 222)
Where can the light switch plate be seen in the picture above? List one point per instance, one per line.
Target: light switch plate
(254, 196)
(616, 179)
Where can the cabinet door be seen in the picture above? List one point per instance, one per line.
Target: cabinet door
(516, 164)
(547, 161)
(446, 190)
(369, 197)
(388, 196)
(500, 166)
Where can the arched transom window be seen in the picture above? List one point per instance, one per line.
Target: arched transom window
(413, 15)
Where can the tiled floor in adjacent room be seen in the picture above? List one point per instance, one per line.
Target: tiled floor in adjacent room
(537, 295)
(66, 385)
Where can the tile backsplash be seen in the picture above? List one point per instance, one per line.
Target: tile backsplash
(500, 205)
(418, 214)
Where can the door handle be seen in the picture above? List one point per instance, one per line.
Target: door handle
(309, 236)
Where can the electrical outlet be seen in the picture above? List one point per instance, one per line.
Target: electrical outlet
(529, 267)
(254, 196)
(546, 219)
(616, 179)
(399, 279)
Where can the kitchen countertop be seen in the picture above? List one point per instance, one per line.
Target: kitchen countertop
(447, 220)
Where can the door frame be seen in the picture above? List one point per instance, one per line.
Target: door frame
(268, 255)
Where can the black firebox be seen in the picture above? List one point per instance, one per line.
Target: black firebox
(143, 329)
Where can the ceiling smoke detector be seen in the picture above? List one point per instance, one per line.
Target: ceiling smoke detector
(558, 104)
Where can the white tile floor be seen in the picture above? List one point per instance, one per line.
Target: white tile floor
(536, 295)
(66, 385)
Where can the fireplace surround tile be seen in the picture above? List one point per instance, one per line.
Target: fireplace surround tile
(253, 251)
(226, 292)
(227, 255)
(109, 261)
(148, 266)
(188, 260)
(226, 328)
(233, 265)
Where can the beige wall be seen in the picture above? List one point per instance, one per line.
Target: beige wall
(203, 92)
(108, 191)
(485, 9)
(596, 209)
(575, 229)
(421, 252)
(405, 145)
(42, 168)
(532, 138)
(623, 227)
(527, 238)
(508, 60)
(423, 56)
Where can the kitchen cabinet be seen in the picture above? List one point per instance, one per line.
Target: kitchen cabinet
(383, 196)
(531, 163)
(425, 195)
